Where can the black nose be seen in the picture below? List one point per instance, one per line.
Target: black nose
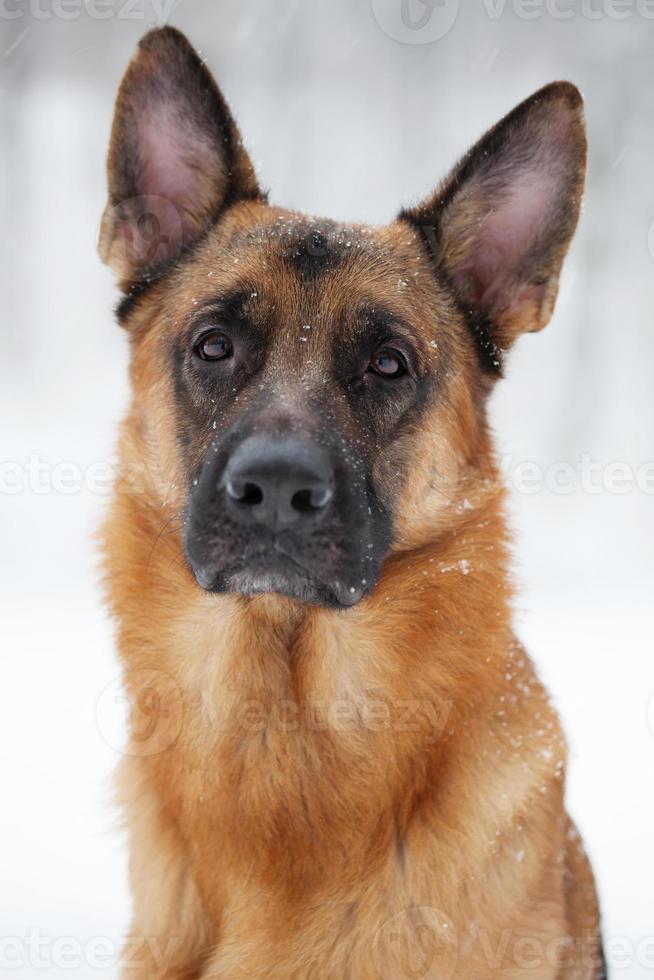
(279, 482)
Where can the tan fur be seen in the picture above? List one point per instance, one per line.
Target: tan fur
(334, 771)
(373, 792)
(290, 851)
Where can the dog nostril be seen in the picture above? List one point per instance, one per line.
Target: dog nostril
(301, 501)
(245, 493)
(252, 494)
(308, 500)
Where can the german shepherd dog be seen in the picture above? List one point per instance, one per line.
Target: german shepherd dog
(341, 762)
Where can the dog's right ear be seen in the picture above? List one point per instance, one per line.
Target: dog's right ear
(175, 159)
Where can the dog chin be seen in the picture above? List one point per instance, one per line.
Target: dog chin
(249, 584)
(291, 582)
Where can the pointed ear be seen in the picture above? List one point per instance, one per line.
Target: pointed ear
(500, 225)
(175, 159)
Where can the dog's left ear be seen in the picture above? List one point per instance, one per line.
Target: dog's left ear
(500, 225)
(176, 160)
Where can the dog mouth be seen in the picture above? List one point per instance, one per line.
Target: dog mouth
(256, 523)
(276, 571)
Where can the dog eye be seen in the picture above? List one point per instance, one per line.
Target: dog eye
(388, 363)
(214, 346)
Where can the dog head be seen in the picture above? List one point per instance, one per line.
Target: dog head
(311, 396)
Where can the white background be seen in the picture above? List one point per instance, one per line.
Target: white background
(345, 120)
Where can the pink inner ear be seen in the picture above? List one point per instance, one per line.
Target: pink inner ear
(175, 164)
(504, 239)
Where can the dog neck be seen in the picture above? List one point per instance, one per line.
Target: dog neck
(282, 709)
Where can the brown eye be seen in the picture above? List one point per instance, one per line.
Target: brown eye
(388, 363)
(214, 346)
